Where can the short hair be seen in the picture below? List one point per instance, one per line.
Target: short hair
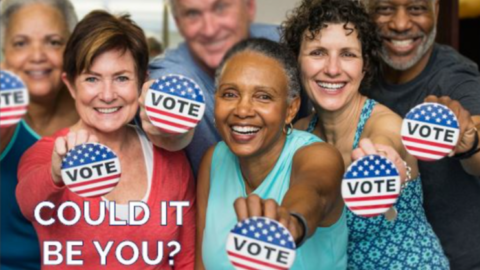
(10, 7)
(311, 16)
(100, 32)
(270, 49)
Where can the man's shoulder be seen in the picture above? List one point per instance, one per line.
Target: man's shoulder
(448, 59)
(268, 31)
(174, 61)
(171, 57)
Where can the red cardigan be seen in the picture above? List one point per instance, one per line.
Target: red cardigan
(172, 181)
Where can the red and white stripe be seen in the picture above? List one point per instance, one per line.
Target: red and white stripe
(426, 150)
(95, 186)
(371, 206)
(170, 122)
(429, 148)
(241, 259)
(12, 115)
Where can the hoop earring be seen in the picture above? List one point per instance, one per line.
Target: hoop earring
(288, 128)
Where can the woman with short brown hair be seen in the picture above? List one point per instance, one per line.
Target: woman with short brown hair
(105, 65)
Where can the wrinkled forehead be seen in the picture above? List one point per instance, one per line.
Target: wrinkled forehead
(370, 3)
(177, 5)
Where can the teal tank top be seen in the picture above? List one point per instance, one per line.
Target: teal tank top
(19, 247)
(326, 249)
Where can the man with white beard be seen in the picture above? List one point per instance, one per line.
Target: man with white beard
(415, 67)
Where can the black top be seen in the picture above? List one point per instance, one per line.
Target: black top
(451, 196)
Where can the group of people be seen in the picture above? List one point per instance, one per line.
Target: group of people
(288, 109)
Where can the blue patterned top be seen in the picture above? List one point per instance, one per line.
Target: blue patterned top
(405, 243)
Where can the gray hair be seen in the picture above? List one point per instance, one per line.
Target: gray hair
(271, 49)
(10, 7)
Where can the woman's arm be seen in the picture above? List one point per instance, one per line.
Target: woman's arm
(315, 185)
(35, 182)
(39, 173)
(314, 192)
(382, 136)
(203, 190)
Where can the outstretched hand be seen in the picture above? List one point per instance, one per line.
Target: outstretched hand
(65, 144)
(254, 206)
(367, 147)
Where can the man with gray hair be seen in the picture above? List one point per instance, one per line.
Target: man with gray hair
(210, 29)
(414, 68)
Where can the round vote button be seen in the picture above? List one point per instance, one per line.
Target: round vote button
(13, 99)
(91, 170)
(260, 243)
(430, 131)
(371, 186)
(175, 104)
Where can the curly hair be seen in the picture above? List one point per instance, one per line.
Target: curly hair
(311, 16)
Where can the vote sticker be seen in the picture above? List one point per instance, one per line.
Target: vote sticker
(13, 99)
(91, 170)
(371, 186)
(430, 131)
(175, 104)
(260, 243)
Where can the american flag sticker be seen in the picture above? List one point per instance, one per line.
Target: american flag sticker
(259, 243)
(175, 104)
(91, 170)
(430, 131)
(13, 99)
(371, 186)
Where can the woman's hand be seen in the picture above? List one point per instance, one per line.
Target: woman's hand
(147, 126)
(65, 144)
(366, 147)
(254, 206)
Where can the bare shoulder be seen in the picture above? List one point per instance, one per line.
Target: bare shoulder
(318, 156)
(383, 118)
(302, 124)
(203, 178)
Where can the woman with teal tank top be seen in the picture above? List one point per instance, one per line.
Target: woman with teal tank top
(337, 48)
(265, 168)
(34, 34)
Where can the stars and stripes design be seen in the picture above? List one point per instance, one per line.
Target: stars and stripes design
(175, 104)
(430, 131)
(14, 99)
(371, 186)
(91, 170)
(255, 243)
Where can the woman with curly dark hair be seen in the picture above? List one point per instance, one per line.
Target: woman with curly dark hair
(337, 48)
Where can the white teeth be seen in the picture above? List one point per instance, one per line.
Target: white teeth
(245, 129)
(37, 73)
(331, 85)
(402, 43)
(108, 110)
